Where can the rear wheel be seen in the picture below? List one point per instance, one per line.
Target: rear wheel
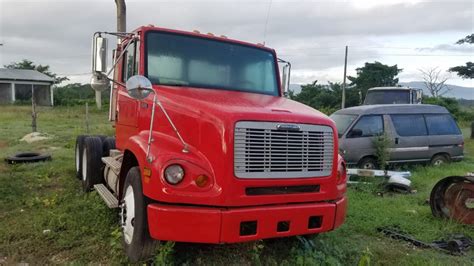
(439, 160)
(368, 163)
(107, 145)
(78, 154)
(133, 217)
(92, 166)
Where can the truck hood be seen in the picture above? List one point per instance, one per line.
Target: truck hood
(236, 105)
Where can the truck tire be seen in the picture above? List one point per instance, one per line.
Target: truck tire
(92, 166)
(107, 145)
(78, 154)
(136, 238)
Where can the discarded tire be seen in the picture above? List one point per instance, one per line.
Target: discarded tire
(27, 157)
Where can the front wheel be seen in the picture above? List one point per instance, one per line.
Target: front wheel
(368, 163)
(439, 160)
(133, 217)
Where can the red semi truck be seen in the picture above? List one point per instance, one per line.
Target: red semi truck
(207, 149)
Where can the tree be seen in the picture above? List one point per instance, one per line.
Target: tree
(326, 98)
(27, 64)
(467, 71)
(375, 75)
(435, 82)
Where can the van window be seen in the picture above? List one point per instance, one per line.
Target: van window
(409, 125)
(367, 126)
(343, 121)
(442, 124)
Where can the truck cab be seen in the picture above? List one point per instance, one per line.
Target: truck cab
(207, 148)
(393, 95)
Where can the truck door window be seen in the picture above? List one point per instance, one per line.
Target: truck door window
(441, 124)
(409, 125)
(129, 63)
(367, 126)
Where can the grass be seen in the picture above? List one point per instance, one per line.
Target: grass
(46, 219)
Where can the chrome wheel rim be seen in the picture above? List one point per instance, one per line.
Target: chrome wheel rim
(77, 158)
(368, 165)
(438, 162)
(128, 214)
(84, 164)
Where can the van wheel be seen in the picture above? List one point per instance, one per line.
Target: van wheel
(133, 218)
(439, 159)
(92, 166)
(368, 163)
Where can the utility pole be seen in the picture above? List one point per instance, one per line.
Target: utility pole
(344, 82)
(121, 17)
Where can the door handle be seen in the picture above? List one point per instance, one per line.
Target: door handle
(396, 140)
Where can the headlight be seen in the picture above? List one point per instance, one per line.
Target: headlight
(174, 174)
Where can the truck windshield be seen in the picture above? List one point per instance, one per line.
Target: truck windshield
(387, 97)
(342, 121)
(181, 60)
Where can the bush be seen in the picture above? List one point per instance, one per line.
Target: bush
(77, 94)
(453, 107)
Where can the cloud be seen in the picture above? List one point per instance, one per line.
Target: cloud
(311, 34)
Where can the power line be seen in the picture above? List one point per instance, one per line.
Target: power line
(266, 22)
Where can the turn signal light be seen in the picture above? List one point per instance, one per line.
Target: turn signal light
(201, 180)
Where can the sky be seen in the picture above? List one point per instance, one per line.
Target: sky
(312, 35)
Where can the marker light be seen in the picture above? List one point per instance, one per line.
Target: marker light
(201, 180)
(174, 174)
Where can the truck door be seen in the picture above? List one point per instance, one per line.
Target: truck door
(409, 138)
(127, 108)
(359, 140)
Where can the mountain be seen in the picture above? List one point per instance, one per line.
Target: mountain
(455, 91)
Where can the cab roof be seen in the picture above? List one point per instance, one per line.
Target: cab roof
(394, 109)
(389, 88)
(211, 36)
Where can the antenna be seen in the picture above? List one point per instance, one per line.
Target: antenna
(266, 22)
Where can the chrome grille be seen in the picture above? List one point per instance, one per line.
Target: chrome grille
(264, 150)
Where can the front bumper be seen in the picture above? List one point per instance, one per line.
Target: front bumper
(230, 225)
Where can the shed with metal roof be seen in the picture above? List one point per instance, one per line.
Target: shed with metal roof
(21, 84)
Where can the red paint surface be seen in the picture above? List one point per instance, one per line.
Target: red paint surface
(206, 119)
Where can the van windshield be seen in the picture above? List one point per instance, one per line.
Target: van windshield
(181, 60)
(343, 121)
(387, 97)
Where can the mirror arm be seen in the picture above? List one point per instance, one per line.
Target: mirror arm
(185, 145)
(155, 102)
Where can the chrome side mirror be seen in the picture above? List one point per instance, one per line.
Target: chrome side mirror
(99, 54)
(285, 76)
(99, 81)
(139, 87)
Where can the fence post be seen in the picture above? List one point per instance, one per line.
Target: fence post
(87, 118)
(472, 130)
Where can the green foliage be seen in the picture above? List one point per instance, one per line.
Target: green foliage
(365, 259)
(164, 255)
(382, 144)
(453, 107)
(27, 64)
(326, 98)
(467, 71)
(375, 75)
(77, 94)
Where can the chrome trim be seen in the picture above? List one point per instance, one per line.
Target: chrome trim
(263, 151)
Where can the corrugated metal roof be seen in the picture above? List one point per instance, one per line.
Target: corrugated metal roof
(23, 75)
